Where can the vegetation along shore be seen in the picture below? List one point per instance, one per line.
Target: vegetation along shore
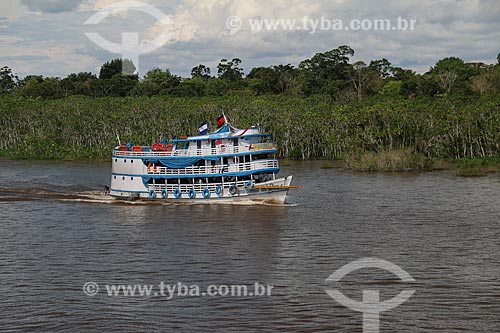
(373, 116)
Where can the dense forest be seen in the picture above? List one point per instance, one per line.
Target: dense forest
(326, 107)
(330, 73)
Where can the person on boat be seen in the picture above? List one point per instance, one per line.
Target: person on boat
(105, 190)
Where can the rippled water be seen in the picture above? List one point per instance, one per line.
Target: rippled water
(57, 233)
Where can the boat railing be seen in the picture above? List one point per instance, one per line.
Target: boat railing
(255, 165)
(219, 150)
(215, 169)
(198, 187)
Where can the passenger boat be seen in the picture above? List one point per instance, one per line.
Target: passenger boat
(227, 165)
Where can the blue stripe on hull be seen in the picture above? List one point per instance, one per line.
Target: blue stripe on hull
(203, 175)
(200, 197)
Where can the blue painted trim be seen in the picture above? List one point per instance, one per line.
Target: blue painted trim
(128, 191)
(203, 175)
(235, 196)
(212, 198)
(256, 152)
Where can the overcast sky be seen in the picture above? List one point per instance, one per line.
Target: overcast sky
(47, 37)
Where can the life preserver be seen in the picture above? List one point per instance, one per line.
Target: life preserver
(218, 190)
(248, 185)
(152, 194)
(191, 193)
(206, 193)
(164, 194)
(233, 189)
(177, 193)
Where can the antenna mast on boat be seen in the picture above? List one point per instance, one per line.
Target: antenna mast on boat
(227, 121)
(225, 118)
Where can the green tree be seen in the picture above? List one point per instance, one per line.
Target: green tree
(195, 87)
(409, 81)
(487, 82)
(287, 79)
(116, 78)
(201, 72)
(383, 67)
(118, 67)
(229, 70)
(327, 72)
(451, 73)
(216, 87)
(392, 88)
(365, 79)
(360, 78)
(37, 86)
(78, 83)
(8, 81)
(264, 80)
(145, 88)
(163, 79)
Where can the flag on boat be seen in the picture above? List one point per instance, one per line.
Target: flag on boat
(203, 129)
(221, 120)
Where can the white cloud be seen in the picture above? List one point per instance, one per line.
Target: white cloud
(51, 6)
(11, 10)
(469, 29)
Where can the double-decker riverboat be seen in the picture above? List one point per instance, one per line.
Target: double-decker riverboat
(228, 165)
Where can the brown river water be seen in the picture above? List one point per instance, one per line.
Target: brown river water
(58, 233)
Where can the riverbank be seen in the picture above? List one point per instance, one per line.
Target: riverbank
(409, 161)
(315, 127)
(386, 162)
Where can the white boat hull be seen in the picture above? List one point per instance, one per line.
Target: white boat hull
(242, 196)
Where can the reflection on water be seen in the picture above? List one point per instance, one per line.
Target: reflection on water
(57, 232)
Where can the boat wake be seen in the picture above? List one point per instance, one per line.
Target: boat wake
(99, 197)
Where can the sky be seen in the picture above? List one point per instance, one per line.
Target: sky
(48, 37)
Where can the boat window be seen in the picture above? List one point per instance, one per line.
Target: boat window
(236, 142)
(124, 161)
(131, 178)
(123, 178)
(198, 144)
(116, 160)
(114, 177)
(131, 161)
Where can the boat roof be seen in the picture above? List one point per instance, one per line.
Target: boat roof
(225, 132)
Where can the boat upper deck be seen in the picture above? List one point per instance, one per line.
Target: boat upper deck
(226, 141)
(222, 150)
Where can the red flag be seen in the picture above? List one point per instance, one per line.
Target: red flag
(221, 121)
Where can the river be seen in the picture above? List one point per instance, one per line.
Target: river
(57, 234)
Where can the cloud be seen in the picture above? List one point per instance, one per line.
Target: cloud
(10, 11)
(51, 6)
(468, 29)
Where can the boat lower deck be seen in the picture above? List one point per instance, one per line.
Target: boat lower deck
(274, 190)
